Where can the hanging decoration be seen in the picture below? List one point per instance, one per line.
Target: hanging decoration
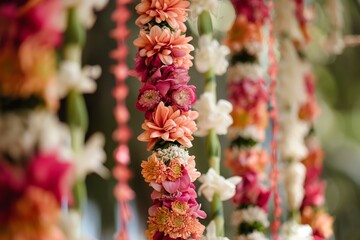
(214, 116)
(123, 193)
(302, 153)
(162, 65)
(247, 91)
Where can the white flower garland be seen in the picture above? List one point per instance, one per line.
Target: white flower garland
(291, 230)
(250, 215)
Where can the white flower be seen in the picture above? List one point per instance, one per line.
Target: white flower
(252, 236)
(290, 86)
(250, 215)
(291, 138)
(24, 132)
(291, 230)
(212, 116)
(91, 158)
(211, 233)
(171, 152)
(250, 131)
(211, 55)
(294, 184)
(85, 10)
(198, 6)
(213, 183)
(285, 20)
(70, 223)
(239, 71)
(71, 76)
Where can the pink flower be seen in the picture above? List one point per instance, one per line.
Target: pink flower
(169, 124)
(314, 194)
(170, 47)
(174, 12)
(183, 96)
(255, 11)
(247, 94)
(250, 191)
(148, 99)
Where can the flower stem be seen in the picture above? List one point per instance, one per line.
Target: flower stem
(212, 143)
(77, 117)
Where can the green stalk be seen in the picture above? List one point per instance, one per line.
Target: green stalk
(212, 142)
(77, 118)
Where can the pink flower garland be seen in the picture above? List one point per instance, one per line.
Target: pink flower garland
(122, 134)
(162, 65)
(248, 93)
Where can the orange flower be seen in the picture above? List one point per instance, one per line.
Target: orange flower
(243, 32)
(169, 124)
(319, 220)
(174, 170)
(257, 116)
(171, 48)
(28, 71)
(174, 12)
(35, 217)
(174, 225)
(153, 170)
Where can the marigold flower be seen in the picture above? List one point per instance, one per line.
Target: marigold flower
(174, 12)
(170, 47)
(169, 124)
(319, 220)
(242, 33)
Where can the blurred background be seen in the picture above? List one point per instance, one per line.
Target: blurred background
(338, 91)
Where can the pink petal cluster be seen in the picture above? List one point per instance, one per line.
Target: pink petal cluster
(40, 188)
(169, 124)
(255, 11)
(309, 111)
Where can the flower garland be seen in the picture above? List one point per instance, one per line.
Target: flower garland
(122, 134)
(38, 163)
(298, 114)
(248, 94)
(214, 116)
(162, 65)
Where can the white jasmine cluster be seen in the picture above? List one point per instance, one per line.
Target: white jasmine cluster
(291, 230)
(252, 236)
(171, 152)
(241, 71)
(294, 184)
(250, 215)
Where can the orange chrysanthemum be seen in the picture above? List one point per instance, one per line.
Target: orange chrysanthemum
(37, 215)
(174, 225)
(174, 170)
(153, 170)
(243, 32)
(171, 48)
(318, 220)
(174, 12)
(169, 124)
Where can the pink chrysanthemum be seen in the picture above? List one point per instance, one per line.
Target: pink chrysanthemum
(169, 124)
(174, 12)
(171, 48)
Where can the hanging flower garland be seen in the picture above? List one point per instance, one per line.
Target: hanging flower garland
(298, 114)
(214, 116)
(37, 163)
(248, 94)
(122, 134)
(162, 65)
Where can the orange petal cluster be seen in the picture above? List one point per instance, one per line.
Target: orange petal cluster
(169, 124)
(173, 12)
(170, 47)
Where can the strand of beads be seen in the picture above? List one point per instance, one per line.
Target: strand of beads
(248, 93)
(162, 65)
(214, 116)
(123, 193)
